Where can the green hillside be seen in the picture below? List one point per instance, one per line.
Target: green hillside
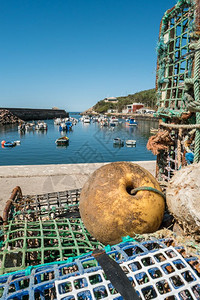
(147, 97)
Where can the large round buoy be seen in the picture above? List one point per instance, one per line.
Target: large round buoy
(183, 197)
(110, 211)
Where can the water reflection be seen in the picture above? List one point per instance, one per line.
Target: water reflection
(131, 146)
(8, 128)
(41, 132)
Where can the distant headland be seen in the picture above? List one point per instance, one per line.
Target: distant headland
(126, 105)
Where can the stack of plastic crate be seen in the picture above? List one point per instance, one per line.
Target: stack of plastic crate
(156, 271)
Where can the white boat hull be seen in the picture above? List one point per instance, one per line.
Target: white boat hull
(130, 142)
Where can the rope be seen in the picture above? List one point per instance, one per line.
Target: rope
(179, 147)
(186, 142)
(147, 188)
(197, 141)
(184, 126)
(197, 102)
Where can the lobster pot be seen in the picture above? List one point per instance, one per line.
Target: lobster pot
(26, 243)
(156, 270)
(179, 153)
(42, 207)
(177, 85)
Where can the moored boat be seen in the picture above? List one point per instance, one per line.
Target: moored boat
(62, 141)
(104, 122)
(57, 121)
(130, 142)
(68, 125)
(132, 122)
(21, 127)
(118, 141)
(29, 126)
(8, 144)
(62, 126)
(114, 120)
(86, 119)
(41, 125)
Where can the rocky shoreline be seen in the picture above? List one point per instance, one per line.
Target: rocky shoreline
(6, 118)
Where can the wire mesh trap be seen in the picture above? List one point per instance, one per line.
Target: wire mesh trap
(177, 89)
(47, 206)
(154, 269)
(174, 148)
(26, 243)
(175, 57)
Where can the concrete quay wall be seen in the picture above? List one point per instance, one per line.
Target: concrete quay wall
(28, 114)
(39, 179)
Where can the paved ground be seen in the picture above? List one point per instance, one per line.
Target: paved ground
(39, 179)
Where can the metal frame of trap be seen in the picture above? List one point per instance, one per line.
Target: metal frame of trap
(48, 206)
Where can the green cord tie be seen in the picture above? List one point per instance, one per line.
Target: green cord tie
(107, 248)
(127, 239)
(28, 270)
(147, 188)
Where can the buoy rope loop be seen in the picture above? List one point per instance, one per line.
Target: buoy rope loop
(147, 188)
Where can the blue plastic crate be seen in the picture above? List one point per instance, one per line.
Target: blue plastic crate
(149, 270)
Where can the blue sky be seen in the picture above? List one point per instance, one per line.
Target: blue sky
(73, 53)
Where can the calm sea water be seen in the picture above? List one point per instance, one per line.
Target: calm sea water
(88, 143)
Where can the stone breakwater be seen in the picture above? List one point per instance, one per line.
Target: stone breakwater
(29, 114)
(6, 117)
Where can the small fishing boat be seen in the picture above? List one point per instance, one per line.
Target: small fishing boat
(8, 144)
(29, 126)
(131, 142)
(118, 141)
(132, 122)
(57, 121)
(114, 120)
(68, 125)
(104, 123)
(62, 126)
(21, 127)
(86, 119)
(62, 141)
(112, 124)
(95, 119)
(41, 125)
(73, 120)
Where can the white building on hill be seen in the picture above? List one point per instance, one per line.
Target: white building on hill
(111, 100)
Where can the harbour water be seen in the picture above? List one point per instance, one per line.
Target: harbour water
(88, 143)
